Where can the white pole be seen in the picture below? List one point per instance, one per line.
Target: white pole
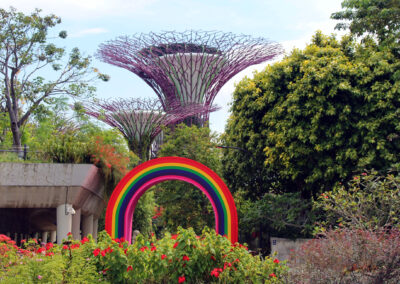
(64, 221)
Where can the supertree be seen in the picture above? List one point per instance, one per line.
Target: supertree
(140, 120)
(188, 67)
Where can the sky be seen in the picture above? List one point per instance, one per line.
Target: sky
(92, 22)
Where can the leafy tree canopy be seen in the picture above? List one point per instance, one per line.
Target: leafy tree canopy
(380, 18)
(33, 70)
(319, 115)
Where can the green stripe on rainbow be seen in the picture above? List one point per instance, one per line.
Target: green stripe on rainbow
(127, 193)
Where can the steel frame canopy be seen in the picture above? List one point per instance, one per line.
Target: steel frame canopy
(140, 120)
(187, 67)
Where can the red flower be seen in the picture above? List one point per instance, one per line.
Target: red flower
(4, 238)
(50, 254)
(125, 251)
(174, 237)
(108, 166)
(49, 246)
(185, 258)
(163, 256)
(69, 234)
(96, 252)
(84, 240)
(40, 250)
(143, 248)
(129, 268)
(272, 275)
(103, 253)
(65, 247)
(74, 246)
(276, 260)
(213, 258)
(175, 245)
(153, 248)
(216, 272)
(181, 279)
(364, 174)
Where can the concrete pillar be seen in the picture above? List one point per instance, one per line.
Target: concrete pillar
(95, 227)
(87, 225)
(36, 236)
(64, 221)
(15, 237)
(53, 236)
(45, 235)
(76, 225)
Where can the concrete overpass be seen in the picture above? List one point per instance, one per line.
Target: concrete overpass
(48, 201)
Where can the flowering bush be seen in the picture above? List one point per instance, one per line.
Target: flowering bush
(180, 258)
(348, 256)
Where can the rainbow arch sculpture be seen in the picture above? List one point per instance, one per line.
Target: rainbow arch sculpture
(124, 198)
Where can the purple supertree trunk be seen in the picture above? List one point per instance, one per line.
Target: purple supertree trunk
(189, 67)
(141, 120)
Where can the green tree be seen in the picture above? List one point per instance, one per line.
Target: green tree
(26, 57)
(322, 114)
(380, 18)
(185, 205)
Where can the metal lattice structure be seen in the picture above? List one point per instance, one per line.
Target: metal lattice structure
(189, 67)
(141, 120)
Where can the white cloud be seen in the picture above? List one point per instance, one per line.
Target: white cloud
(80, 9)
(92, 31)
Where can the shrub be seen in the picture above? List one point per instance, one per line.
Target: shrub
(184, 257)
(368, 202)
(348, 256)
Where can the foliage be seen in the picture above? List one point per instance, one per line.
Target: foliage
(320, 115)
(348, 256)
(184, 257)
(47, 263)
(281, 215)
(185, 205)
(380, 18)
(368, 202)
(245, 153)
(27, 57)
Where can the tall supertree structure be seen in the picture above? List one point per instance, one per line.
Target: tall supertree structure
(188, 67)
(140, 120)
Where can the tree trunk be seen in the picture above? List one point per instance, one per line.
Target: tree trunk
(16, 132)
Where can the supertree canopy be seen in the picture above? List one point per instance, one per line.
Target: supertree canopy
(140, 120)
(188, 67)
